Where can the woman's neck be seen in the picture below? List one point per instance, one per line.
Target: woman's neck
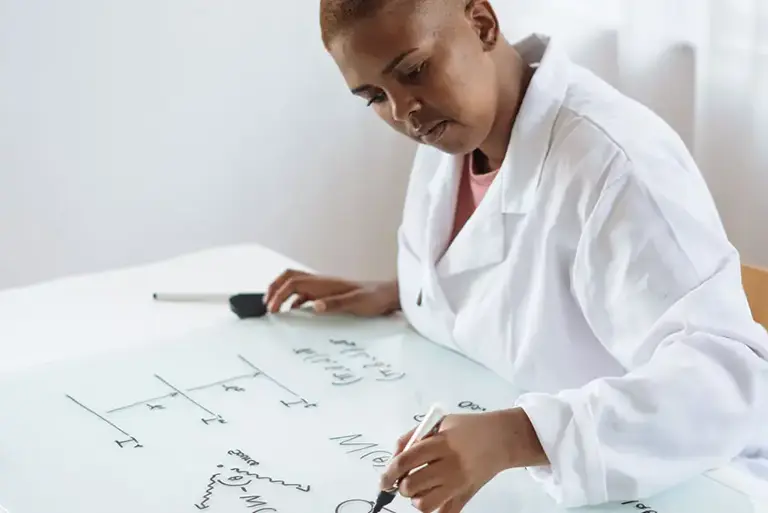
(514, 77)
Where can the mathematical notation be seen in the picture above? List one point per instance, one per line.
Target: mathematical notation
(341, 372)
(368, 450)
(239, 480)
(160, 404)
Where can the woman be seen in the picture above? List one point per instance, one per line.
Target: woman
(560, 234)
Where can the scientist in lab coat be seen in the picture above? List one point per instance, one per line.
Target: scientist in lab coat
(559, 233)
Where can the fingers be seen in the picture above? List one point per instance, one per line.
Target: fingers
(425, 451)
(340, 303)
(300, 301)
(439, 497)
(300, 284)
(423, 480)
(278, 283)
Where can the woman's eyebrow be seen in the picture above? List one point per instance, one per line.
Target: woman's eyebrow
(362, 88)
(393, 64)
(387, 69)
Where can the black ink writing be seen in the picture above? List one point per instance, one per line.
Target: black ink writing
(303, 402)
(254, 501)
(358, 506)
(469, 405)
(637, 505)
(215, 416)
(241, 479)
(121, 443)
(131, 441)
(384, 370)
(342, 375)
(214, 419)
(273, 380)
(227, 385)
(244, 473)
(378, 457)
(203, 504)
(240, 454)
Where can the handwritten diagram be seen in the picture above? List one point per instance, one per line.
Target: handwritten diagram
(240, 481)
(208, 414)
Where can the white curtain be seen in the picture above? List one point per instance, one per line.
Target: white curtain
(700, 64)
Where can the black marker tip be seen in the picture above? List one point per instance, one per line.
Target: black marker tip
(154, 295)
(382, 500)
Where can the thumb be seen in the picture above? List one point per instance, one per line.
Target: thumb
(339, 303)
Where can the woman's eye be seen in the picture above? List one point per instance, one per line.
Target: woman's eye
(377, 99)
(416, 71)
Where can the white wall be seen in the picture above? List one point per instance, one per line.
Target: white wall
(136, 130)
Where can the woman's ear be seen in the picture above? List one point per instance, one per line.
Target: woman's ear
(483, 19)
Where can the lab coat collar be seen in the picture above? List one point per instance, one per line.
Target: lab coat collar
(521, 170)
(481, 242)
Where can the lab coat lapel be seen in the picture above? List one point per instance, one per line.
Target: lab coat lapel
(442, 193)
(480, 242)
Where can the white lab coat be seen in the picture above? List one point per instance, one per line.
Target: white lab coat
(596, 276)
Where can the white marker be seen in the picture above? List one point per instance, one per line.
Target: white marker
(426, 427)
(191, 298)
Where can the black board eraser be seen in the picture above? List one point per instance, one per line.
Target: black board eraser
(248, 306)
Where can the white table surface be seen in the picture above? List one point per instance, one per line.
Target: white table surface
(83, 315)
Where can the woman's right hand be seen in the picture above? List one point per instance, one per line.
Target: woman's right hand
(332, 295)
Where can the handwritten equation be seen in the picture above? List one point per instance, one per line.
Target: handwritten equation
(368, 450)
(234, 384)
(349, 363)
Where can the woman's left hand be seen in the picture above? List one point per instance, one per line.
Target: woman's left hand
(468, 451)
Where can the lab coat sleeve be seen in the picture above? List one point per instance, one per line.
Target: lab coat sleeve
(660, 286)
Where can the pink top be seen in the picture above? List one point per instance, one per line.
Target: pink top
(472, 189)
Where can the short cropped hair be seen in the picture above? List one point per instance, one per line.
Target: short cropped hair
(338, 15)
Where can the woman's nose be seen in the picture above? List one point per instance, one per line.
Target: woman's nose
(403, 108)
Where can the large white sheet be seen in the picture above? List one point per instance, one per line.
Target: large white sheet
(288, 414)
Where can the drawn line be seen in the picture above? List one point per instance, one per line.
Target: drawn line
(273, 380)
(223, 382)
(302, 488)
(172, 394)
(139, 403)
(208, 492)
(185, 396)
(99, 416)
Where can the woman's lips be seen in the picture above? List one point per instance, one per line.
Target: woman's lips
(435, 133)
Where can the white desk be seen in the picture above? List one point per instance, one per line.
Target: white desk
(85, 315)
(82, 315)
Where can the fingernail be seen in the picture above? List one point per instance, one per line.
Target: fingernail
(320, 306)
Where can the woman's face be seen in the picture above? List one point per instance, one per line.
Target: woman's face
(427, 72)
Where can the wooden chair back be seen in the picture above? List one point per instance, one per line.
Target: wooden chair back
(755, 281)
